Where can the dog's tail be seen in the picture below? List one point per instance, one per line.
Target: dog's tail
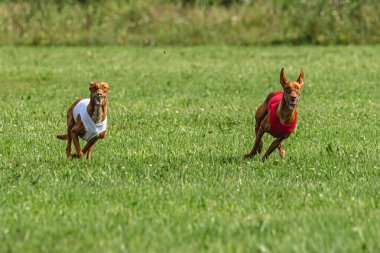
(62, 137)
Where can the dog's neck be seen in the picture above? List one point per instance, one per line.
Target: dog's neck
(285, 113)
(97, 112)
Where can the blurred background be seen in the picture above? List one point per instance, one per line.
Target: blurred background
(189, 22)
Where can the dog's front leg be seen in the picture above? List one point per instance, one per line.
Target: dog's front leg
(272, 147)
(78, 128)
(90, 151)
(89, 147)
(282, 151)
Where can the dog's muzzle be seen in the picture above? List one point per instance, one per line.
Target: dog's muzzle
(289, 102)
(99, 100)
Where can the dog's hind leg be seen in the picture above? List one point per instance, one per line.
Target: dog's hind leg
(75, 131)
(258, 143)
(262, 120)
(259, 116)
(70, 125)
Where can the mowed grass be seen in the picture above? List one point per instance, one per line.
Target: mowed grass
(169, 176)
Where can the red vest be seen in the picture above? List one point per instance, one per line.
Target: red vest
(277, 129)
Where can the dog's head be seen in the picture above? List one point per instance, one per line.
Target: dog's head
(99, 92)
(292, 90)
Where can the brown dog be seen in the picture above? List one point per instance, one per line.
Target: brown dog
(277, 116)
(87, 118)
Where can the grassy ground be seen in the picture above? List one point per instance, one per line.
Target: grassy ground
(170, 177)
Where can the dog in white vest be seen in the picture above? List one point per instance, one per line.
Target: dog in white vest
(87, 119)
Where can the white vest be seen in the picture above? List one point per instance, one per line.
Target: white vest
(92, 129)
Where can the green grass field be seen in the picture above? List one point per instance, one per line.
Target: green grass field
(170, 177)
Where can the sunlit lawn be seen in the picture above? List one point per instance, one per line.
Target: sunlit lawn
(169, 176)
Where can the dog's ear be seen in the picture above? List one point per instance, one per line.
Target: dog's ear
(283, 79)
(300, 78)
(107, 86)
(91, 84)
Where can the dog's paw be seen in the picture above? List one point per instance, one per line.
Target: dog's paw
(282, 153)
(77, 155)
(247, 156)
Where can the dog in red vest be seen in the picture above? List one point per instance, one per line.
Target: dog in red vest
(277, 116)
